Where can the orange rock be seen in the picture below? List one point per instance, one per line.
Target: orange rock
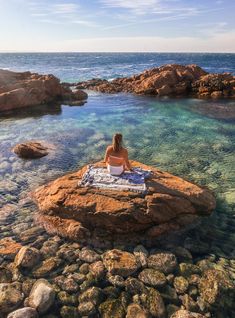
(9, 247)
(25, 89)
(171, 203)
(171, 79)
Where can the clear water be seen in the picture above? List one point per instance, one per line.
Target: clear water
(172, 134)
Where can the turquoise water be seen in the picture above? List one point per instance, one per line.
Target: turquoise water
(181, 136)
(169, 134)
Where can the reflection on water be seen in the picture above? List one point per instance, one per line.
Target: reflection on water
(165, 133)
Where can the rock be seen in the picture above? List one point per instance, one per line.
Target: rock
(18, 90)
(27, 285)
(152, 277)
(5, 275)
(42, 296)
(86, 309)
(98, 269)
(169, 80)
(31, 150)
(189, 303)
(135, 311)
(10, 298)
(119, 262)
(164, 262)
(27, 257)
(69, 312)
(93, 295)
(112, 308)
(116, 280)
(134, 286)
(31, 234)
(217, 289)
(181, 284)
(153, 302)
(9, 248)
(65, 298)
(46, 267)
(170, 201)
(26, 312)
(187, 269)
(89, 256)
(69, 285)
(186, 314)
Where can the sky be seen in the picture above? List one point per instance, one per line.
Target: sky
(117, 26)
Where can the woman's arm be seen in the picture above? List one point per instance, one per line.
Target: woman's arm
(107, 152)
(127, 163)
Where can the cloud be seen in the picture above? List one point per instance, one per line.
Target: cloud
(61, 8)
(148, 7)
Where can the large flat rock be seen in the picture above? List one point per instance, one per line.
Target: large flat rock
(76, 212)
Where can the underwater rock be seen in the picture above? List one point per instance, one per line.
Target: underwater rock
(18, 90)
(75, 212)
(10, 298)
(42, 296)
(186, 314)
(26, 312)
(9, 248)
(169, 80)
(31, 150)
(27, 257)
(119, 262)
(217, 289)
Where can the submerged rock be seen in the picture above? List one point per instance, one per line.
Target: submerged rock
(10, 298)
(31, 150)
(26, 312)
(121, 263)
(42, 296)
(72, 211)
(18, 90)
(186, 314)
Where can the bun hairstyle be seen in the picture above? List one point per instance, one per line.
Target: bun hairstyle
(117, 142)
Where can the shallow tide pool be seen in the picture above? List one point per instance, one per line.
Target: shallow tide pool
(176, 135)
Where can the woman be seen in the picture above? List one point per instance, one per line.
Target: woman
(116, 157)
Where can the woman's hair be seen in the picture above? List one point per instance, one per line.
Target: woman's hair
(117, 142)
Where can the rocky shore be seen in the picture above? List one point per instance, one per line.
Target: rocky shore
(87, 214)
(19, 90)
(169, 80)
(49, 277)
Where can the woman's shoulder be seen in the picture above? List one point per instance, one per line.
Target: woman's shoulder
(109, 148)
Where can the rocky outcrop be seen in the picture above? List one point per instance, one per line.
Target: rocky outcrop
(31, 150)
(83, 213)
(18, 90)
(169, 80)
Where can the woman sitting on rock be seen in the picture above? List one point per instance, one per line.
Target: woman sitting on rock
(116, 157)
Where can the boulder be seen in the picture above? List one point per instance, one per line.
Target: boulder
(27, 257)
(18, 90)
(31, 150)
(169, 80)
(119, 262)
(164, 262)
(217, 289)
(10, 298)
(186, 314)
(26, 312)
(42, 296)
(77, 212)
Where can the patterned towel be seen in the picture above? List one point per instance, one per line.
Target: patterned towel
(129, 180)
